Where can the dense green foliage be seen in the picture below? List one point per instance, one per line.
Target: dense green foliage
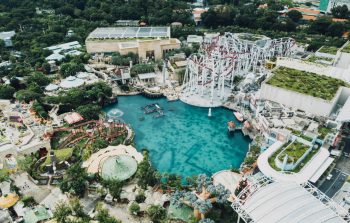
(146, 174)
(75, 182)
(319, 86)
(114, 187)
(156, 213)
(6, 91)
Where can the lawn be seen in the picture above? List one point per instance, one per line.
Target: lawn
(346, 48)
(323, 131)
(308, 83)
(314, 58)
(61, 155)
(328, 49)
(294, 151)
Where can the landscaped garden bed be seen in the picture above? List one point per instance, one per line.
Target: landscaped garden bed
(346, 48)
(328, 49)
(308, 83)
(314, 59)
(294, 151)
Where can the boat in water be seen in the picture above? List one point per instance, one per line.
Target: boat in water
(238, 116)
(231, 126)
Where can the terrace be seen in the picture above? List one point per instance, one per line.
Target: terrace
(328, 50)
(346, 48)
(294, 151)
(308, 83)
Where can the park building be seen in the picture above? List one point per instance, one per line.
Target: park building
(147, 42)
(331, 82)
(61, 50)
(6, 37)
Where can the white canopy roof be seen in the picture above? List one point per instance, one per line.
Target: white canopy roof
(51, 87)
(288, 202)
(71, 82)
(147, 76)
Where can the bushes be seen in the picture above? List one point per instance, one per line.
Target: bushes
(40, 110)
(156, 213)
(141, 68)
(134, 208)
(6, 91)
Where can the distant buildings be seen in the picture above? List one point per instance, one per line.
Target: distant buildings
(197, 12)
(194, 39)
(61, 50)
(127, 23)
(147, 42)
(327, 5)
(6, 37)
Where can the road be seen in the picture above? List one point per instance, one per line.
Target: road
(330, 187)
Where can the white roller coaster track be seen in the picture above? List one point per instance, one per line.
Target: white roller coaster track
(211, 74)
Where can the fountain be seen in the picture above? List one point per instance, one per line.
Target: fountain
(120, 167)
(114, 114)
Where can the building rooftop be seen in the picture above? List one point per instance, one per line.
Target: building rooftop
(36, 214)
(306, 82)
(147, 76)
(64, 47)
(129, 32)
(288, 203)
(7, 35)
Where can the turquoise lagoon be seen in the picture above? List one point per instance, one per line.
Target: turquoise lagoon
(185, 141)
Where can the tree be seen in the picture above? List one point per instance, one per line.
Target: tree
(61, 212)
(27, 95)
(39, 79)
(114, 187)
(6, 91)
(70, 69)
(146, 174)
(134, 208)
(336, 29)
(89, 111)
(320, 25)
(75, 180)
(25, 163)
(103, 217)
(340, 11)
(46, 68)
(156, 213)
(295, 15)
(207, 194)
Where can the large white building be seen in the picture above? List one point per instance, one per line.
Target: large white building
(147, 42)
(310, 104)
(267, 201)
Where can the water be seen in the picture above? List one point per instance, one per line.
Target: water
(185, 141)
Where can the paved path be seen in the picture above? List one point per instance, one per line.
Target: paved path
(120, 212)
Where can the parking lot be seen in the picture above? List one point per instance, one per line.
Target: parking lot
(343, 163)
(332, 185)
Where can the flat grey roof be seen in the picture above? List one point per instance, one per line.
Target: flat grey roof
(7, 35)
(147, 76)
(129, 32)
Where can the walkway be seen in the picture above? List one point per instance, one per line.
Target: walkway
(93, 163)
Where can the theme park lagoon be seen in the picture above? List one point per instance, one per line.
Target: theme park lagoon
(181, 138)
